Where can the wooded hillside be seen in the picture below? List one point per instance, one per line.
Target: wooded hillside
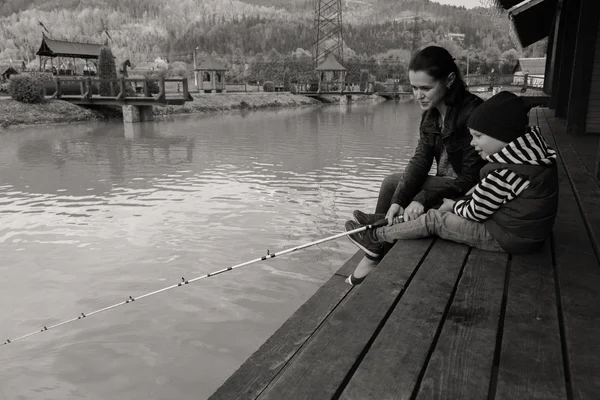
(142, 30)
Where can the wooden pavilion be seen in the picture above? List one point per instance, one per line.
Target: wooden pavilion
(209, 76)
(67, 52)
(332, 74)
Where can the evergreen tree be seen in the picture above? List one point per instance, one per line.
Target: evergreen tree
(106, 70)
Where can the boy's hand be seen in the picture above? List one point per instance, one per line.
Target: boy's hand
(394, 210)
(413, 211)
(447, 206)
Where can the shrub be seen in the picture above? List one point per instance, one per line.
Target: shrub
(106, 70)
(364, 79)
(26, 89)
(268, 86)
(380, 87)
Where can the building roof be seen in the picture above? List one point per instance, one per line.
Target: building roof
(531, 20)
(534, 66)
(209, 63)
(4, 68)
(506, 4)
(330, 64)
(64, 48)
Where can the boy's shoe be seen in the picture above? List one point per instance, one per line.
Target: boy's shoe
(365, 240)
(367, 219)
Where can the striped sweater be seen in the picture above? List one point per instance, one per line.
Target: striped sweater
(501, 185)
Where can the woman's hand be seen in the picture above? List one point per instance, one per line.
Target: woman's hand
(413, 211)
(447, 206)
(394, 210)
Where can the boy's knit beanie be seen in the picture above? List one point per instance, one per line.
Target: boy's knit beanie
(503, 117)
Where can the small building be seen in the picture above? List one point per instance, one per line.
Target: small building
(209, 76)
(332, 74)
(457, 36)
(67, 53)
(6, 71)
(533, 68)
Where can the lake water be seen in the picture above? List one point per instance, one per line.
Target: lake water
(93, 213)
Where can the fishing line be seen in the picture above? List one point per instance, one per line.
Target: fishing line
(184, 281)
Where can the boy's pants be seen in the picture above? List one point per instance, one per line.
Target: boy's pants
(444, 224)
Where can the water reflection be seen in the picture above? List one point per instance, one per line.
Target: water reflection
(93, 213)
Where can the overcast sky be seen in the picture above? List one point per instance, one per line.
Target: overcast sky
(466, 3)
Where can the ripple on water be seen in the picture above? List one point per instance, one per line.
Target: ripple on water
(92, 214)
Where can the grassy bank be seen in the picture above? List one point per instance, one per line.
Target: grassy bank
(236, 101)
(56, 111)
(13, 112)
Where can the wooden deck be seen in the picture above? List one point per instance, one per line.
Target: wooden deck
(441, 320)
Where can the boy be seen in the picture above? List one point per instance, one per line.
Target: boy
(511, 209)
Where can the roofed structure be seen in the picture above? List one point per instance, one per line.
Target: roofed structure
(330, 64)
(533, 66)
(532, 19)
(209, 63)
(6, 71)
(64, 48)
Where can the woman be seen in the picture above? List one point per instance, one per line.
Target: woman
(438, 87)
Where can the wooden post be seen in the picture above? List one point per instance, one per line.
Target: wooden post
(122, 91)
(583, 63)
(186, 92)
(161, 88)
(597, 166)
(567, 57)
(146, 88)
(57, 87)
(557, 52)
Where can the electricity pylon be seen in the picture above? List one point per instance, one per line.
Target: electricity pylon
(328, 29)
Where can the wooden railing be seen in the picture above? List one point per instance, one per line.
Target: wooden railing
(334, 87)
(505, 80)
(119, 88)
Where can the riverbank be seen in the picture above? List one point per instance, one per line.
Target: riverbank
(56, 111)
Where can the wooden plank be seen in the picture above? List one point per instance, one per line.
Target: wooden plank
(586, 191)
(461, 365)
(323, 363)
(531, 363)
(392, 367)
(261, 367)
(578, 274)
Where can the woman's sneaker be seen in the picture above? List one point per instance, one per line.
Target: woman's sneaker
(367, 219)
(365, 240)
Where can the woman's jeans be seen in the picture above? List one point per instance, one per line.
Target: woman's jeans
(389, 184)
(444, 224)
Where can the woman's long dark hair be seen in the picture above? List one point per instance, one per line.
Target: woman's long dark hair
(437, 62)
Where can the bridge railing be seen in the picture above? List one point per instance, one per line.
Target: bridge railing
(334, 87)
(531, 81)
(119, 88)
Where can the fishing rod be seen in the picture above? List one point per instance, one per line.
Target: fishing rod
(184, 281)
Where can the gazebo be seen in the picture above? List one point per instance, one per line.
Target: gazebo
(210, 75)
(51, 48)
(328, 71)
